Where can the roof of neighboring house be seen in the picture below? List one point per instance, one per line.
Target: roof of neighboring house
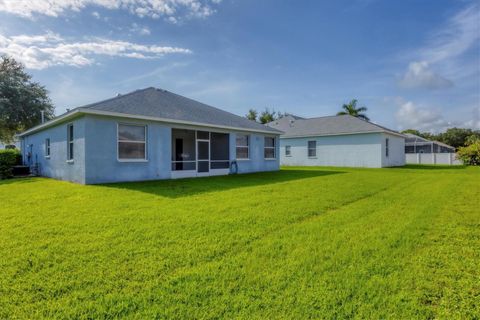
(414, 139)
(162, 105)
(326, 126)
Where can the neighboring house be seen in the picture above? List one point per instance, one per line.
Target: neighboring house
(343, 141)
(148, 134)
(419, 150)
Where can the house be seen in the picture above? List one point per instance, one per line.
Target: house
(419, 150)
(148, 134)
(343, 141)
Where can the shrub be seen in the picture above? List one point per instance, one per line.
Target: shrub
(8, 158)
(470, 154)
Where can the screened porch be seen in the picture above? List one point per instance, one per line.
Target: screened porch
(197, 153)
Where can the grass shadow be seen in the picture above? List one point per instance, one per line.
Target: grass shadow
(193, 186)
(431, 167)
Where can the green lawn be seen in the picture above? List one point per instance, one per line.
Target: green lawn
(300, 243)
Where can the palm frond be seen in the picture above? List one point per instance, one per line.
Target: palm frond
(362, 109)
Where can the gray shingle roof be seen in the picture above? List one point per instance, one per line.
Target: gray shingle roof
(323, 126)
(159, 103)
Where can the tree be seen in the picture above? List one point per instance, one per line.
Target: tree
(413, 131)
(252, 115)
(351, 109)
(21, 100)
(472, 139)
(457, 137)
(267, 116)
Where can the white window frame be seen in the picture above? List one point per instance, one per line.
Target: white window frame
(244, 147)
(387, 147)
(47, 148)
(70, 141)
(310, 149)
(274, 148)
(288, 151)
(145, 159)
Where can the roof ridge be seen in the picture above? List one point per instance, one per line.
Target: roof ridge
(377, 125)
(364, 120)
(118, 96)
(207, 105)
(333, 116)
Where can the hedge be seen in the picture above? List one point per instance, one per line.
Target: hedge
(8, 158)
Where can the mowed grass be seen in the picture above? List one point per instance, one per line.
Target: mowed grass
(339, 243)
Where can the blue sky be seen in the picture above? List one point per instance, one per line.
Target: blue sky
(414, 64)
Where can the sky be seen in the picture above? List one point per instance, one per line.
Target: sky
(413, 64)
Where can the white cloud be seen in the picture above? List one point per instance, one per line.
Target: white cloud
(142, 8)
(447, 50)
(420, 75)
(410, 116)
(43, 51)
(474, 121)
(141, 30)
(460, 34)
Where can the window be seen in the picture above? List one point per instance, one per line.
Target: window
(243, 142)
(47, 147)
(288, 151)
(269, 148)
(312, 149)
(132, 142)
(70, 142)
(386, 147)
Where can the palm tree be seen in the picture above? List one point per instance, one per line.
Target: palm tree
(352, 110)
(252, 115)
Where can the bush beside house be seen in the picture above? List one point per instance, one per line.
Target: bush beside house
(470, 154)
(8, 159)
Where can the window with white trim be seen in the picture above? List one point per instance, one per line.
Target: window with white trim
(47, 147)
(312, 149)
(242, 146)
(288, 151)
(269, 148)
(132, 142)
(387, 151)
(70, 143)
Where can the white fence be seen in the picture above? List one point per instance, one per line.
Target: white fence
(432, 158)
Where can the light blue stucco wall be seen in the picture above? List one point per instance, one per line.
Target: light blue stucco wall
(358, 150)
(102, 164)
(57, 165)
(95, 156)
(256, 161)
(396, 154)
